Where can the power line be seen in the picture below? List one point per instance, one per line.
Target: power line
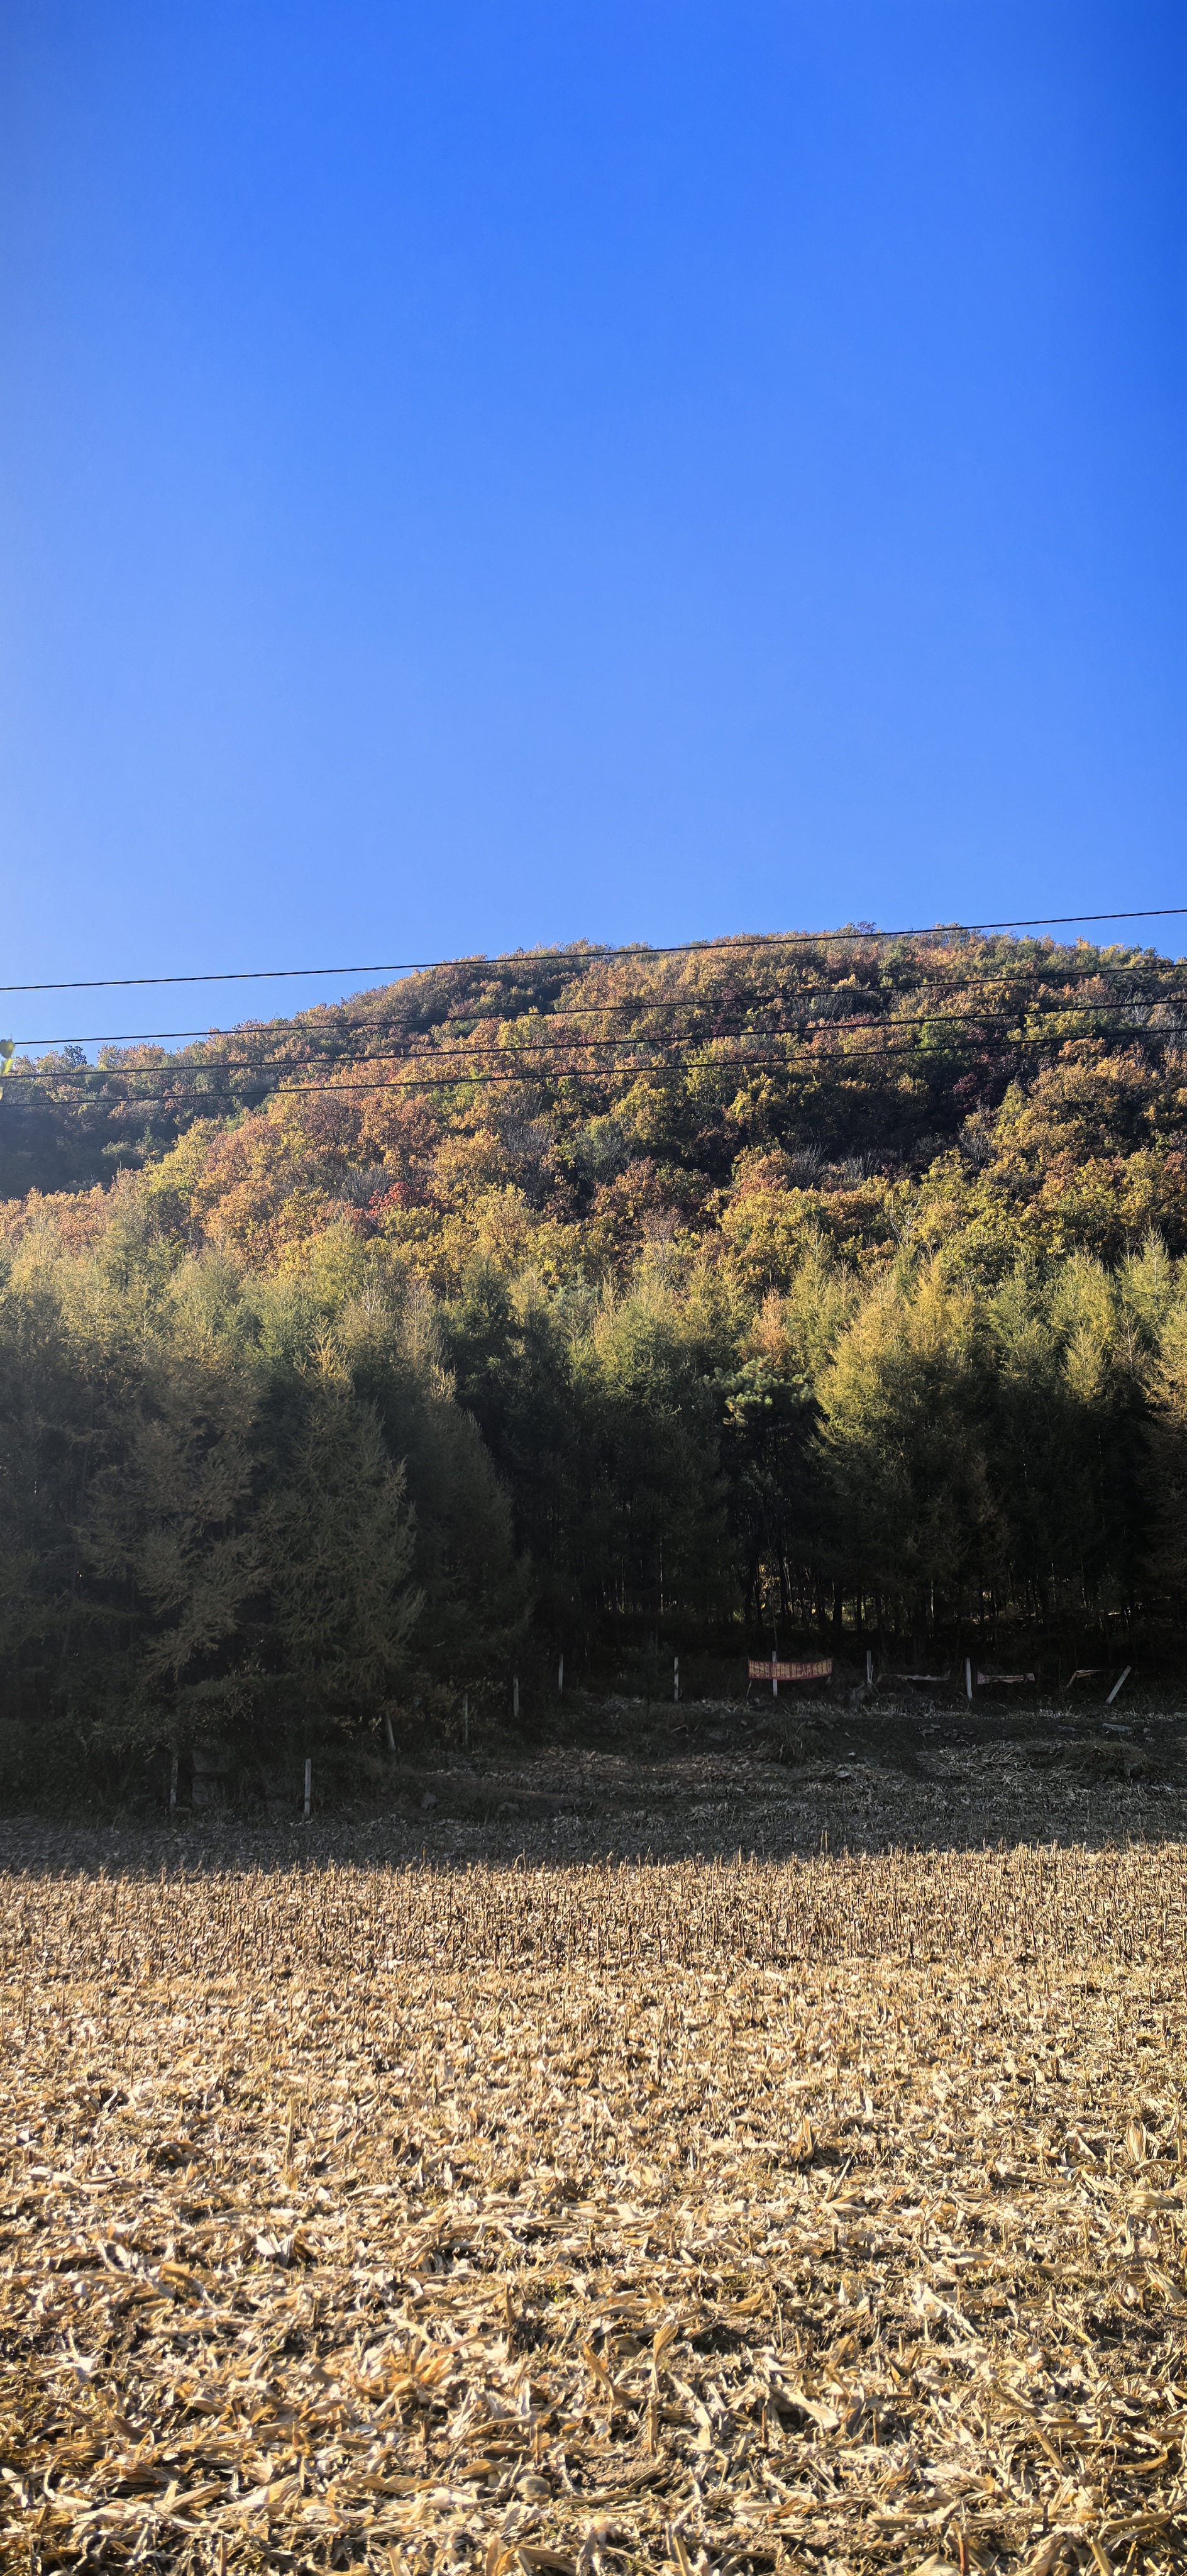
(644, 1003)
(969, 981)
(461, 1052)
(579, 956)
(455, 1079)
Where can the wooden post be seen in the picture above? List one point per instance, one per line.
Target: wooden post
(466, 1720)
(515, 1695)
(560, 1674)
(968, 1679)
(869, 1668)
(676, 1678)
(774, 1678)
(173, 1782)
(308, 1784)
(1122, 1677)
(391, 1741)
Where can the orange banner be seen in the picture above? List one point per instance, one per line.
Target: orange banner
(772, 1671)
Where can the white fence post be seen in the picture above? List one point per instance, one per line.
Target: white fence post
(560, 1673)
(676, 1678)
(308, 1784)
(968, 1679)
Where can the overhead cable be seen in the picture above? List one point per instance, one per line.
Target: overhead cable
(578, 955)
(436, 1054)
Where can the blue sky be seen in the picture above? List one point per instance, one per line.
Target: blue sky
(474, 475)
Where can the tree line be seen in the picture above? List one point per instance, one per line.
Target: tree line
(233, 1501)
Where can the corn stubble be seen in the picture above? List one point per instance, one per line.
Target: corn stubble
(821, 2215)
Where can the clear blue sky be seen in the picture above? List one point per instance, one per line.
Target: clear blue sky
(482, 473)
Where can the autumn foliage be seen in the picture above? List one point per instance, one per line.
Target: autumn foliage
(588, 1297)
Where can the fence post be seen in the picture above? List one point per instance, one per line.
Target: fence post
(560, 1674)
(466, 1721)
(1123, 1677)
(173, 1782)
(968, 1679)
(391, 1741)
(676, 1678)
(308, 1784)
(515, 1694)
(869, 1668)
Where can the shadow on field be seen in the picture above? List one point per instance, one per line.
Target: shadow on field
(710, 1781)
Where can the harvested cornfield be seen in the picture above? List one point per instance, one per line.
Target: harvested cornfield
(808, 2215)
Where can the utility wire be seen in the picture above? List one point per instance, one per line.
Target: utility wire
(444, 1078)
(650, 1002)
(1115, 1018)
(1054, 1005)
(581, 956)
(434, 1044)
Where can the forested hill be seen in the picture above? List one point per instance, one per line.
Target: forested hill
(564, 1111)
(589, 1302)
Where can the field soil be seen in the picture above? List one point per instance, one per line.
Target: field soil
(455, 2186)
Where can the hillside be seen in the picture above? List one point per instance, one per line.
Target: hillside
(568, 1109)
(606, 1305)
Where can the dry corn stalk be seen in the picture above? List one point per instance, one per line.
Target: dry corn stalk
(717, 2217)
